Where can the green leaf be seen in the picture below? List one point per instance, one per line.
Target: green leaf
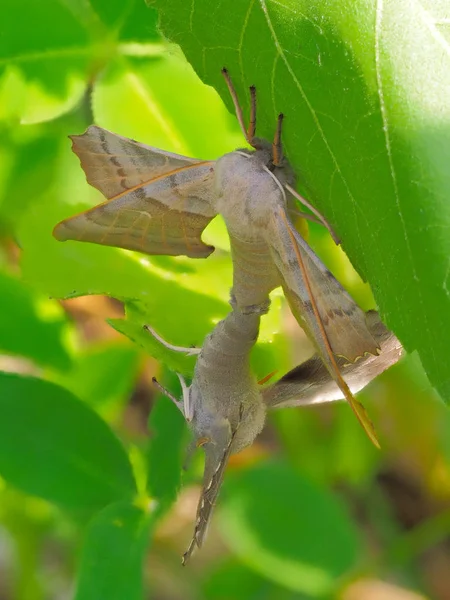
(26, 330)
(364, 88)
(48, 63)
(113, 554)
(34, 153)
(234, 580)
(288, 529)
(90, 378)
(42, 69)
(54, 446)
(164, 454)
(137, 316)
(132, 20)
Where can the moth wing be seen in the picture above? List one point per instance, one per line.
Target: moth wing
(158, 203)
(307, 280)
(334, 322)
(113, 163)
(311, 382)
(216, 460)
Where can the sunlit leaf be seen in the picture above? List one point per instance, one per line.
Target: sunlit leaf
(62, 46)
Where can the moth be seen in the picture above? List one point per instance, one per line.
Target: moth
(160, 203)
(225, 407)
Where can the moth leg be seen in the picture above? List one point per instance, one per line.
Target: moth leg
(188, 409)
(183, 406)
(249, 133)
(169, 395)
(277, 148)
(320, 217)
(188, 351)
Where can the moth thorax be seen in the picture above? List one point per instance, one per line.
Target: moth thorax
(247, 192)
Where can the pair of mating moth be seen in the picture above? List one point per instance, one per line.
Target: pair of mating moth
(160, 203)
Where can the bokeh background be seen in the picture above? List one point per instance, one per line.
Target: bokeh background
(312, 510)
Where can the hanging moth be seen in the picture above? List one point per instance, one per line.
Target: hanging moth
(223, 406)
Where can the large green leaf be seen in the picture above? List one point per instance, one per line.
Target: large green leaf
(113, 554)
(54, 446)
(164, 455)
(364, 87)
(288, 529)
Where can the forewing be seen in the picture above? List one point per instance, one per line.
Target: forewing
(305, 278)
(311, 382)
(159, 202)
(333, 321)
(215, 465)
(113, 163)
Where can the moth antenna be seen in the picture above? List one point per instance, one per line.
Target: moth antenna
(239, 114)
(189, 351)
(169, 395)
(277, 148)
(320, 218)
(251, 129)
(188, 408)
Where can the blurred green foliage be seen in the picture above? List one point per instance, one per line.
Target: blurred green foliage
(88, 496)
